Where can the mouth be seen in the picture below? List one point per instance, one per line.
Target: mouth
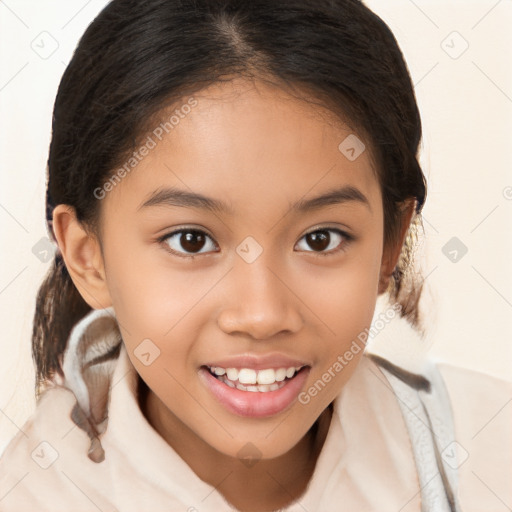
(255, 393)
(260, 381)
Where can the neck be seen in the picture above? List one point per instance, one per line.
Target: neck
(269, 484)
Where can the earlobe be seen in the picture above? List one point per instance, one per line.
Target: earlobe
(82, 255)
(391, 254)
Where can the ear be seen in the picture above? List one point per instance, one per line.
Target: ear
(81, 252)
(391, 253)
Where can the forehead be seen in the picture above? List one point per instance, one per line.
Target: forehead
(248, 142)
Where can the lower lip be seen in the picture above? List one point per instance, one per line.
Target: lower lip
(255, 404)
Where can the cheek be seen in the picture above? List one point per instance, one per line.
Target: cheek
(344, 299)
(160, 308)
(344, 296)
(147, 292)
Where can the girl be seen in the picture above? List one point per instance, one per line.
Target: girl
(232, 186)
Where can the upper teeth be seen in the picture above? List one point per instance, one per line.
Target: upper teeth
(250, 376)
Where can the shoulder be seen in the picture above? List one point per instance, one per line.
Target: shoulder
(461, 381)
(481, 404)
(45, 457)
(480, 450)
(482, 412)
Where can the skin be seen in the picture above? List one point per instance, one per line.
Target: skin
(260, 150)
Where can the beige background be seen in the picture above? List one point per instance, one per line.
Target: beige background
(464, 95)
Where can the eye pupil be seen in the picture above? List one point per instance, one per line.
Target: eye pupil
(192, 241)
(318, 240)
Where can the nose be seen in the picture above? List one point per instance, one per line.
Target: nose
(259, 302)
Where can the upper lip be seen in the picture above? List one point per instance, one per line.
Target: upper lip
(258, 362)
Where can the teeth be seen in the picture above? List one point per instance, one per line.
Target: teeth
(248, 379)
(228, 382)
(232, 373)
(266, 376)
(247, 376)
(290, 372)
(280, 374)
(261, 388)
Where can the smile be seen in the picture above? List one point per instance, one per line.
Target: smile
(247, 379)
(255, 393)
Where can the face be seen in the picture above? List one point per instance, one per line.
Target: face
(244, 239)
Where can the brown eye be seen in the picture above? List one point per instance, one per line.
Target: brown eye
(189, 241)
(324, 241)
(318, 240)
(192, 241)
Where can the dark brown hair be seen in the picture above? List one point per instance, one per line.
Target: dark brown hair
(141, 56)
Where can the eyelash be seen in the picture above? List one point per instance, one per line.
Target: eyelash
(347, 239)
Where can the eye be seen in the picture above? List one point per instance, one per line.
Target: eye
(325, 241)
(187, 242)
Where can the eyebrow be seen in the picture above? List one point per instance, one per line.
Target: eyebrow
(182, 198)
(345, 194)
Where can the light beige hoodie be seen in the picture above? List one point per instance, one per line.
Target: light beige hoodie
(392, 445)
